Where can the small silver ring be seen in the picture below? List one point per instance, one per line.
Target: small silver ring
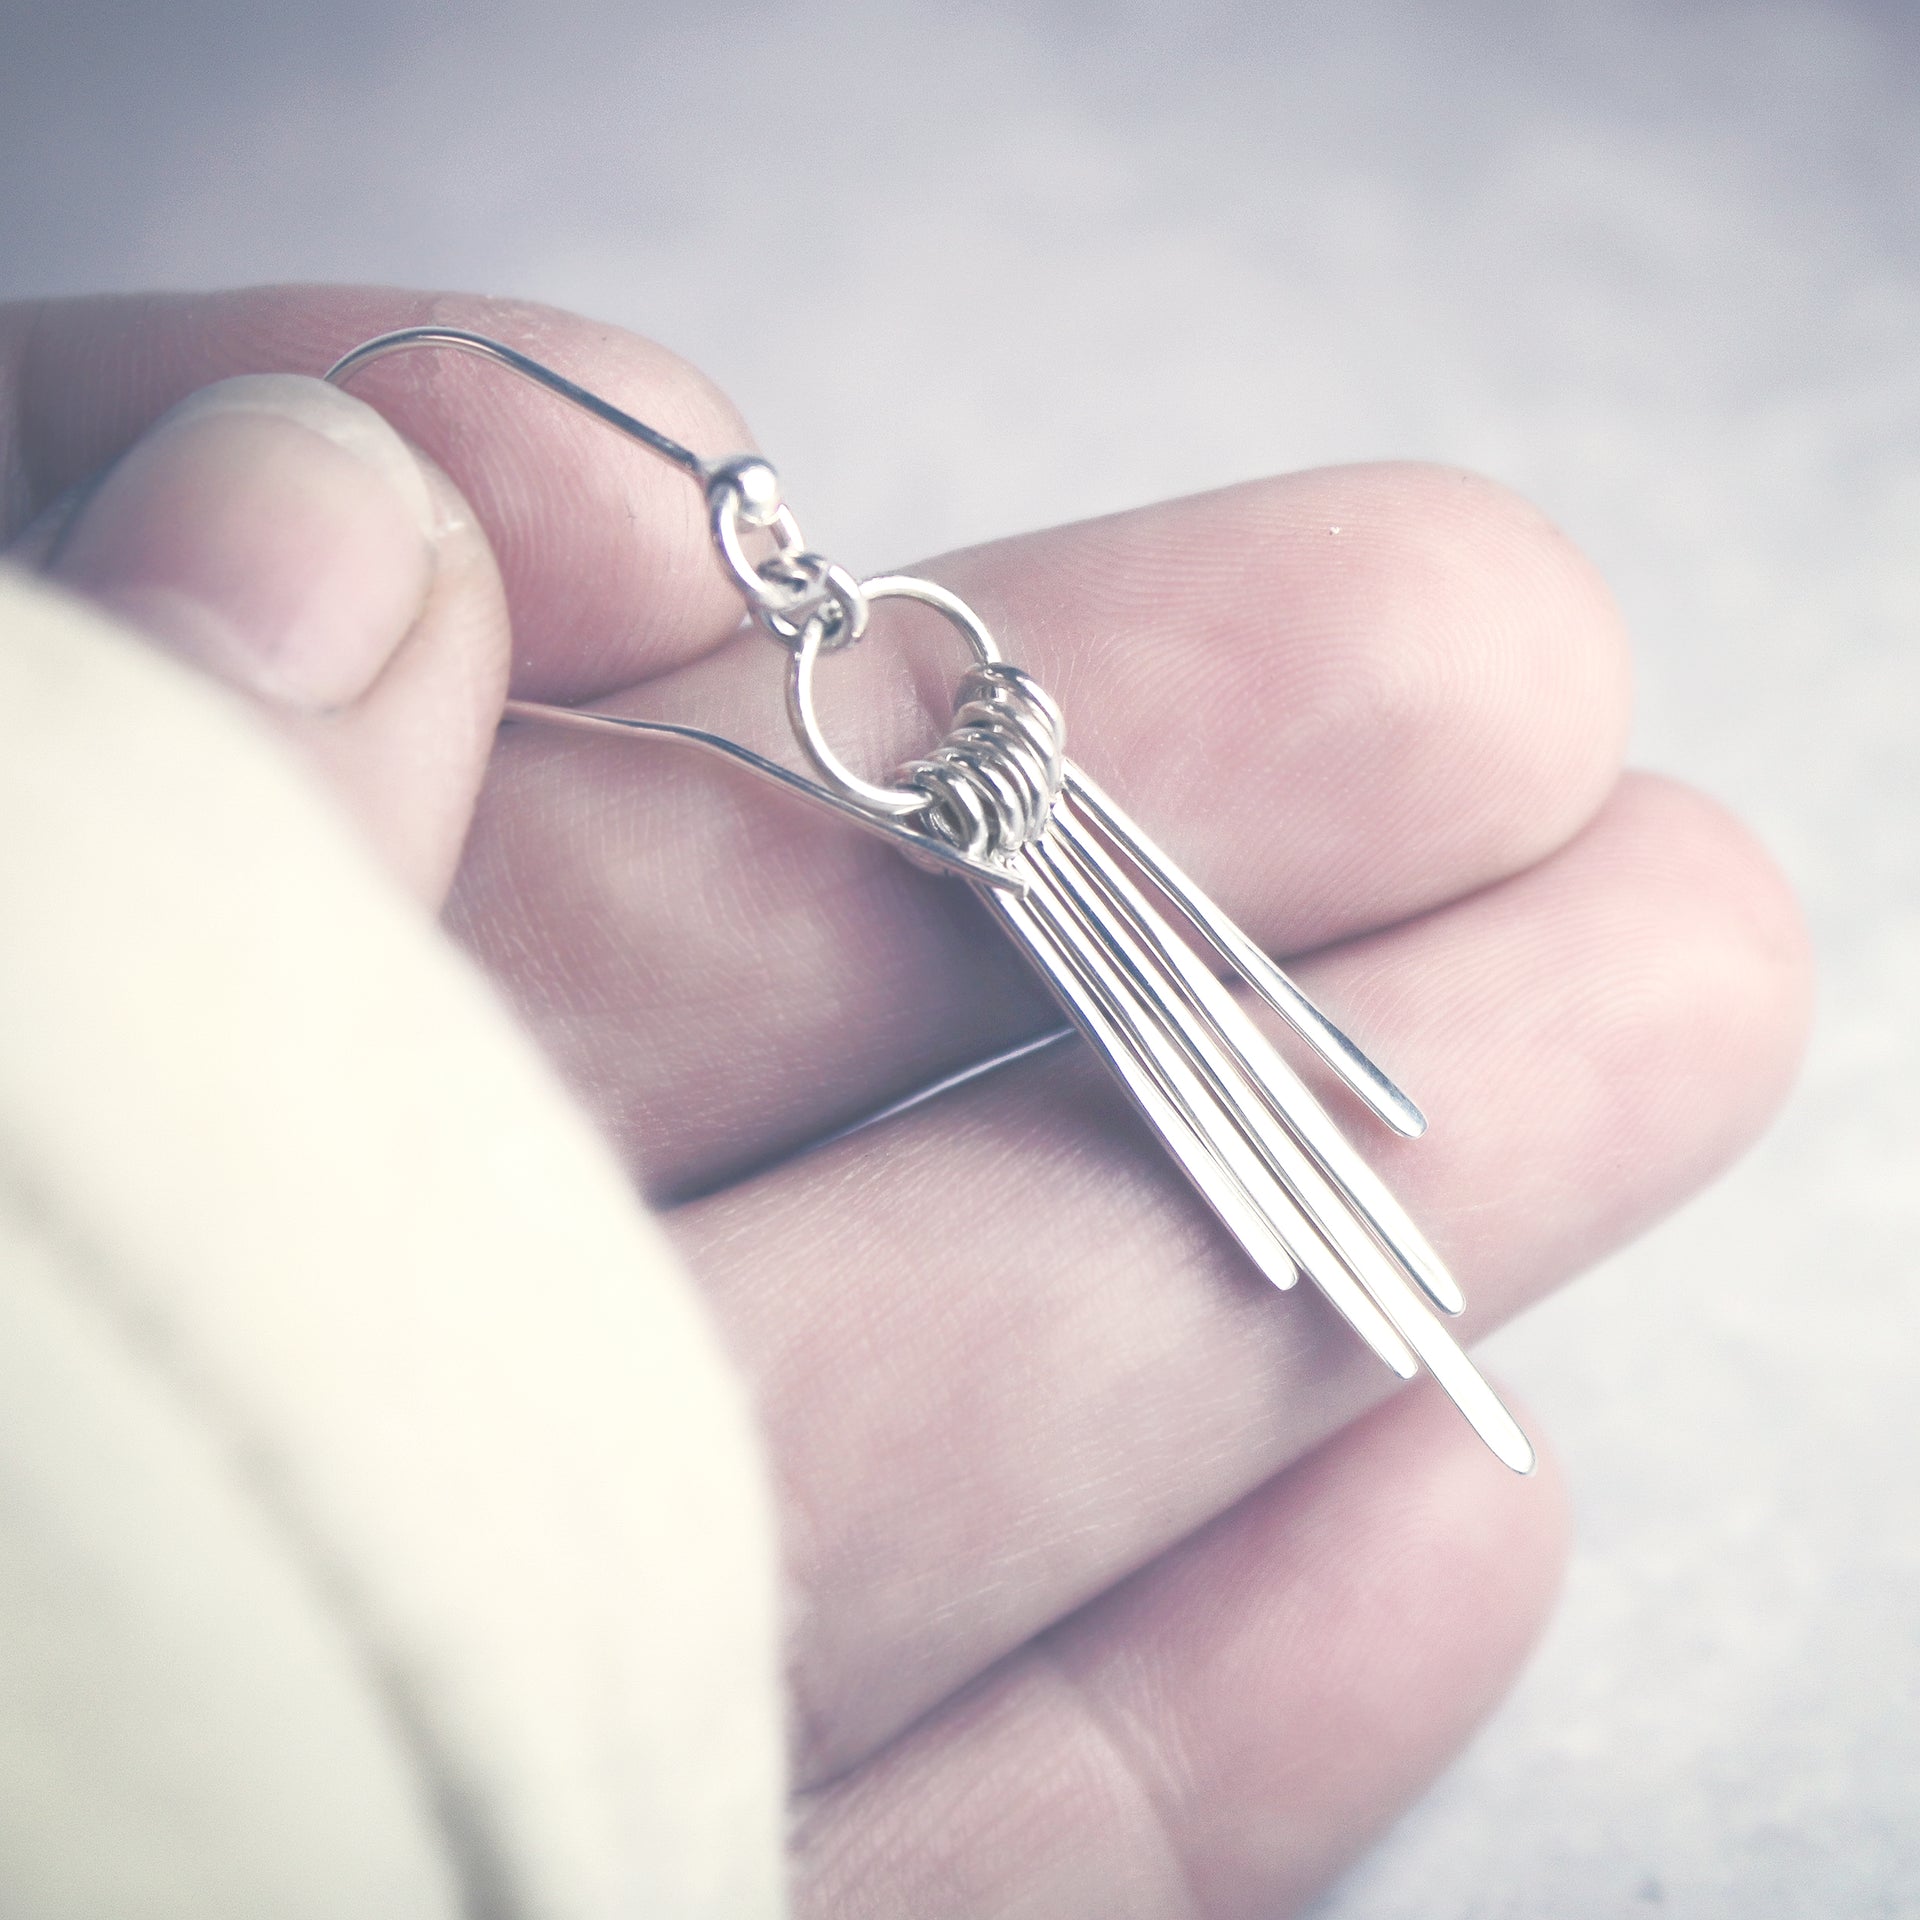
(1012, 804)
(837, 604)
(725, 519)
(1027, 705)
(897, 802)
(957, 812)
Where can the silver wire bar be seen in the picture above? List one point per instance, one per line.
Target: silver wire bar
(1053, 959)
(1281, 1092)
(1354, 1069)
(1329, 1243)
(1237, 1095)
(1150, 1010)
(403, 339)
(919, 846)
(1132, 1017)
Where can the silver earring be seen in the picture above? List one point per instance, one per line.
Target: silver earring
(1095, 907)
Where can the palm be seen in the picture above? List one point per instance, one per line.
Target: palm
(1077, 1627)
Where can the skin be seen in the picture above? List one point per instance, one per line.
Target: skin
(1119, 1585)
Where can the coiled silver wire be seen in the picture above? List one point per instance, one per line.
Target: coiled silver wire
(992, 782)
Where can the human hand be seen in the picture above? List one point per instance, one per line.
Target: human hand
(1114, 1588)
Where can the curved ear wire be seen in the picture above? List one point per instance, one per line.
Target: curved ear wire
(407, 339)
(916, 845)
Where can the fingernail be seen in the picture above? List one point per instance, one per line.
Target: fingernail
(273, 530)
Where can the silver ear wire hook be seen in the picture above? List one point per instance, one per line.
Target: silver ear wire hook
(741, 490)
(1079, 890)
(458, 340)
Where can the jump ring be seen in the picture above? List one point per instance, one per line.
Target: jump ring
(833, 600)
(725, 520)
(897, 802)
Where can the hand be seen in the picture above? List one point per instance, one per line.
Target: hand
(1119, 1585)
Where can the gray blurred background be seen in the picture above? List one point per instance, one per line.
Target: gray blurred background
(971, 268)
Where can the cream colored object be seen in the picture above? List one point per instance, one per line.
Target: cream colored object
(382, 1532)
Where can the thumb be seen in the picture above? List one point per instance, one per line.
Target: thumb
(281, 536)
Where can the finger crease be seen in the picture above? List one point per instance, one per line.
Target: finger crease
(1113, 1737)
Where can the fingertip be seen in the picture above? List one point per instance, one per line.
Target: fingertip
(269, 530)
(1701, 1019)
(1702, 854)
(281, 536)
(1525, 633)
(1474, 664)
(1616, 1025)
(1397, 682)
(408, 760)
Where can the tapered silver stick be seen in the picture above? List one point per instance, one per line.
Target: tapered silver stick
(1149, 1001)
(1284, 1094)
(1333, 1245)
(1135, 1022)
(1360, 1074)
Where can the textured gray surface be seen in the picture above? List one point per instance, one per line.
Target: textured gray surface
(970, 269)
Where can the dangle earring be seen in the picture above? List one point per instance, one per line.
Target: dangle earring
(1113, 927)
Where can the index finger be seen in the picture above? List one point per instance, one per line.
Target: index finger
(602, 547)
